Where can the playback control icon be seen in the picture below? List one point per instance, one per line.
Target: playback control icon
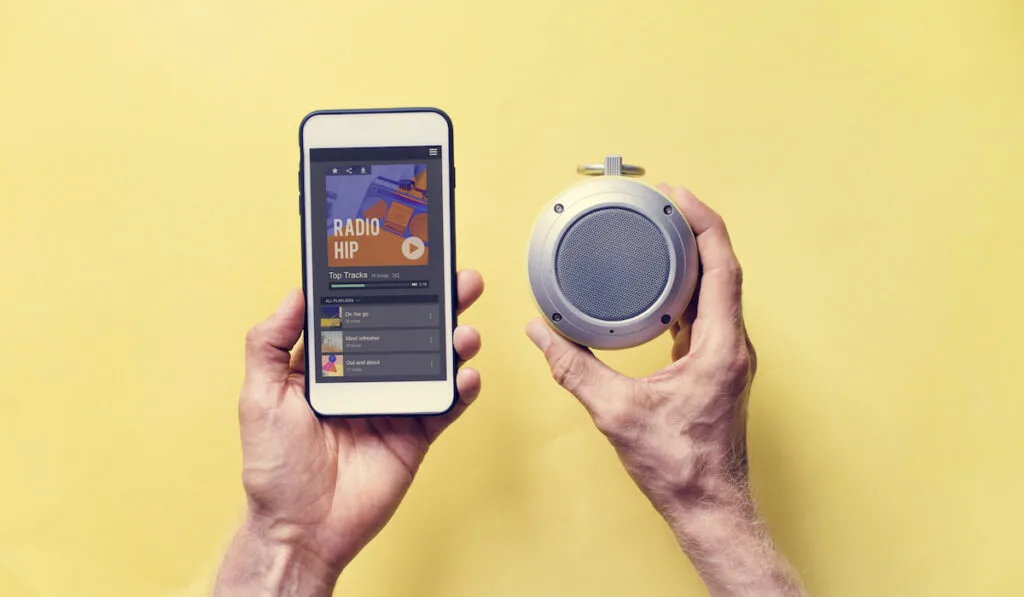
(413, 248)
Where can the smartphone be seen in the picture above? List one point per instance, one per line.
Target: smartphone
(376, 200)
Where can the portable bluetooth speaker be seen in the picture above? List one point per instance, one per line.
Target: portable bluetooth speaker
(612, 261)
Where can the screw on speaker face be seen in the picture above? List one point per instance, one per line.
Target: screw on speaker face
(667, 210)
(665, 319)
(558, 208)
(556, 317)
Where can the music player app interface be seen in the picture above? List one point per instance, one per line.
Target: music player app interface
(378, 264)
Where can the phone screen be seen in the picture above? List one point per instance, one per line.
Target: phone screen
(378, 264)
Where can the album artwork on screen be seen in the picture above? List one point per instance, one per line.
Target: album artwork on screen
(332, 340)
(377, 216)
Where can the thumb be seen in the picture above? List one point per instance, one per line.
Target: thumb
(269, 343)
(575, 368)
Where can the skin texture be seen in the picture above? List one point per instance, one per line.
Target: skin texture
(319, 490)
(681, 432)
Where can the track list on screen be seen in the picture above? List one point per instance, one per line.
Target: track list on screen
(378, 264)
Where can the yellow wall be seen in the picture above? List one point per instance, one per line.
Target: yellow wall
(869, 159)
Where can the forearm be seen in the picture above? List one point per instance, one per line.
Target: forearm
(726, 540)
(257, 567)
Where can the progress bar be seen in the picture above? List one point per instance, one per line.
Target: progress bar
(381, 285)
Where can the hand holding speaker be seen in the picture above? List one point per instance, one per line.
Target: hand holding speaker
(681, 433)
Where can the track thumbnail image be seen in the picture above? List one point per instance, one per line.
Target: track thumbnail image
(332, 341)
(330, 317)
(332, 365)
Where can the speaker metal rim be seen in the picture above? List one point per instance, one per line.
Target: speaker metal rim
(587, 197)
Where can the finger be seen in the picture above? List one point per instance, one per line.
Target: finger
(575, 368)
(269, 343)
(681, 341)
(468, 383)
(722, 278)
(467, 342)
(682, 329)
(470, 286)
(298, 360)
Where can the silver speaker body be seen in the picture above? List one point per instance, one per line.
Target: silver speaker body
(612, 262)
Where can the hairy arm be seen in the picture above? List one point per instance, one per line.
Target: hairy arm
(728, 544)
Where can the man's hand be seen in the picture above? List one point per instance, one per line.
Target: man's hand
(319, 490)
(681, 433)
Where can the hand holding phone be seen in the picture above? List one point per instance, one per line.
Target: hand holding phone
(319, 489)
(379, 313)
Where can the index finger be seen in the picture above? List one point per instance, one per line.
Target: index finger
(720, 301)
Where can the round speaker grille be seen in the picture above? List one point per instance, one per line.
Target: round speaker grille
(612, 264)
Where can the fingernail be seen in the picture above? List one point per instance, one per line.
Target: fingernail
(538, 333)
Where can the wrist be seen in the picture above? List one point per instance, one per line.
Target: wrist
(709, 495)
(266, 561)
(291, 550)
(683, 483)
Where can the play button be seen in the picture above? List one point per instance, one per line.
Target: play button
(413, 248)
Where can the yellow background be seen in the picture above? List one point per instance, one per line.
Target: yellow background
(868, 157)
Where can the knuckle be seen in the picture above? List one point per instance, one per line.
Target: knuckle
(615, 419)
(253, 338)
(251, 409)
(566, 369)
(737, 367)
(625, 418)
(256, 482)
(728, 368)
(248, 411)
(734, 270)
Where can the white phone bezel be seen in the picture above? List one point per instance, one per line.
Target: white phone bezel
(379, 129)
